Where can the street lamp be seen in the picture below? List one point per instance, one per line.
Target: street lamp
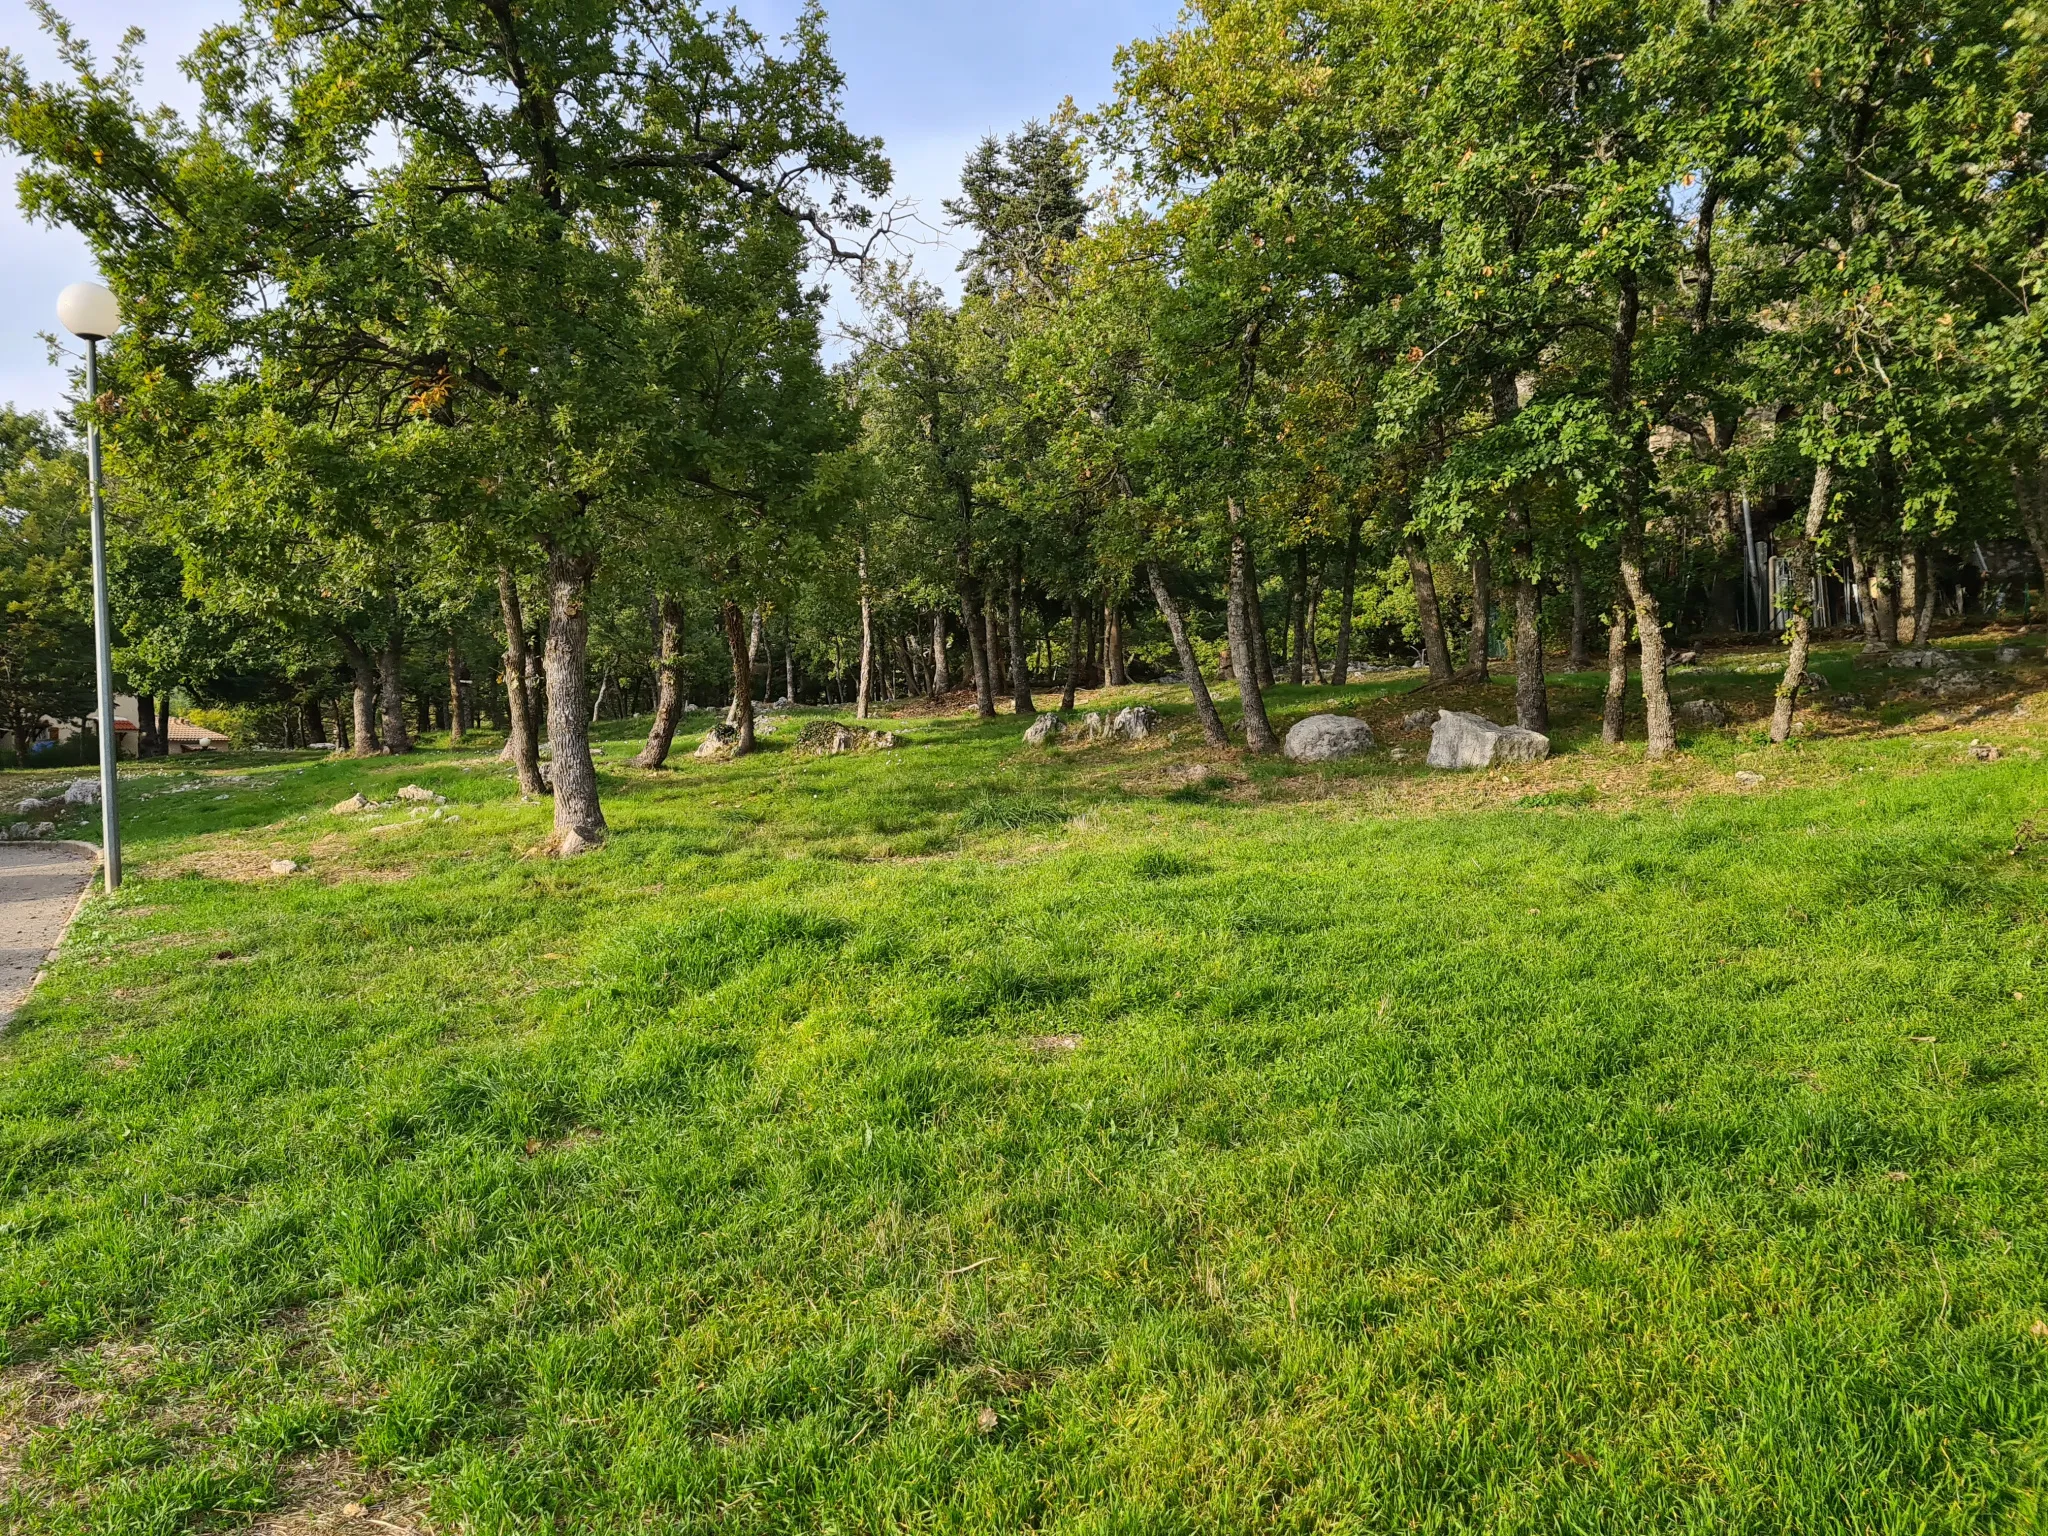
(89, 312)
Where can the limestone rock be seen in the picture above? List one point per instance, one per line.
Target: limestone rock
(1952, 685)
(1326, 739)
(82, 792)
(1044, 731)
(718, 743)
(1923, 660)
(352, 805)
(1419, 719)
(1135, 723)
(1748, 780)
(283, 867)
(1092, 727)
(1459, 740)
(2010, 655)
(1984, 753)
(829, 738)
(1703, 712)
(418, 796)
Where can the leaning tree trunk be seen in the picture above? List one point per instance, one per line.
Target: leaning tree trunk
(364, 700)
(1614, 718)
(867, 639)
(942, 676)
(1479, 641)
(456, 723)
(1662, 734)
(1244, 627)
(1020, 661)
(1198, 689)
(1866, 608)
(1340, 664)
(668, 692)
(977, 650)
(734, 623)
(1077, 651)
(579, 819)
(522, 739)
(1800, 581)
(1429, 614)
(1575, 660)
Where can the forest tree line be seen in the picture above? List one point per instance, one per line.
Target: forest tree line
(476, 360)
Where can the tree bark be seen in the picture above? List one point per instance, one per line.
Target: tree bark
(567, 663)
(1077, 650)
(1866, 608)
(1255, 617)
(456, 722)
(1923, 599)
(522, 741)
(734, 623)
(2030, 497)
(1614, 718)
(1198, 689)
(1114, 672)
(365, 668)
(1800, 581)
(1663, 738)
(310, 724)
(668, 693)
(1429, 615)
(865, 691)
(1576, 660)
(1662, 734)
(1297, 615)
(1340, 664)
(977, 652)
(1884, 598)
(1479, 640)
(942, 675)
(1020, 661)
(391, 691)
(1244, 630)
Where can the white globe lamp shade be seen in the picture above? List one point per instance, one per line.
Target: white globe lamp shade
(88, 312)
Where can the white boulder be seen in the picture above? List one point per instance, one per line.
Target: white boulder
(1327, 739)
(1459, 740)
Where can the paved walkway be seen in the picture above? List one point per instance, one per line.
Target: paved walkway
(39, 890)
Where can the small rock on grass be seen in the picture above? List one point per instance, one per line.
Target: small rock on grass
(2009, 655)
(283, 867)
(1459, 740)
(1703, 712)
(352, 805)
(1135, 723)
(1985, 753)
(1419, 719)
(420, 796)
(1747, 780)
(1044, 731)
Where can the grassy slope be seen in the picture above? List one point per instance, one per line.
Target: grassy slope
(1575, 1147)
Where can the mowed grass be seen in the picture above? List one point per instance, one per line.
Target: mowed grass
(1127, 1139)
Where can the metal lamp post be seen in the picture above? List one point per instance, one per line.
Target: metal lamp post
(90, 313)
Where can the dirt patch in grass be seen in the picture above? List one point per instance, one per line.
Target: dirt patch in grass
(332, 1493)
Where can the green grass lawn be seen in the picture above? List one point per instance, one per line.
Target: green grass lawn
(1131, 1138)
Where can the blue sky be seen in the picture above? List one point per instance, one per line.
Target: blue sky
(929, 76)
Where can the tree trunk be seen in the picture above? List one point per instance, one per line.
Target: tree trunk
(1576, 660)
(1479, 641)
(1614, 718)
(1923, 599)
(1532, 698)
(365, 669)
(977, 650)
(1662, 735)
(1255, 617)
(668, 693)
(1429, 616)
(867, 639)
(1649, 619)
(753, 655)
(1198, 689)
(145, 706)
(942, 673)
(1077, 650)
(1340, 664)
(455, 720)
(163, 723)
(1114, 672)
(522, 740)
(567, 664)
(1020, 662)
(310, 725)
(734, 623)
(1297, 619)
(391, 688)
(904, 663)
(1866, 608)
(1884, 599)
(1801, 583)
(1244, 630)
(2030, 496)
